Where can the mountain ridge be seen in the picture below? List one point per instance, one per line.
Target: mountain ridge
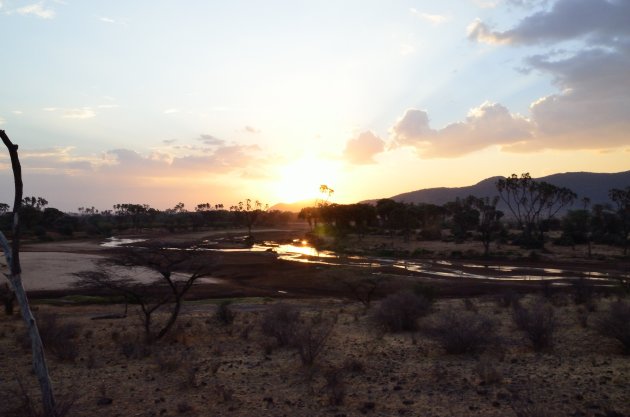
(593, 185)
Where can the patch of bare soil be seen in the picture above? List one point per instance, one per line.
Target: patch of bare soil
(206, 368)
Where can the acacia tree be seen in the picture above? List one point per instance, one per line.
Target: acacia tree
(533, 203)
(12, 255)
(621, 198)
(489, 219)
(166, 293)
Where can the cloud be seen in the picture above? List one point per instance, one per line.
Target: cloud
(361, 149)
(73, 113)
(37, 9)
(105, 19)
(2, 121)
(601, 21)
(250, 129)
(17, 112)
(170, 111)
(108, 106)
(79, 113)
(169, 141)
(58, 159)
(487, 125)
(591, 109)
(210, 140)
(434, 19)
(220, 160)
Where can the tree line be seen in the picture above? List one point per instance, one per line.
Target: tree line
(44, 222)
(533, 209)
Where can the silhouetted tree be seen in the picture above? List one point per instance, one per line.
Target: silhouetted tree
(621, 198)
(166, 292)
(489, 220)
(464, 217)
(532, 203)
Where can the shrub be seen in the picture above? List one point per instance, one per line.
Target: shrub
(461, 332)
(615, 324)
(538, 322)
(280, 322)
(508, 298)
(224, 314)
(401, 311)
(310, 339)
(59, 338)
(335, 386)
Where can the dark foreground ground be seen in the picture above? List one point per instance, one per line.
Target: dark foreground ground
(205, 367)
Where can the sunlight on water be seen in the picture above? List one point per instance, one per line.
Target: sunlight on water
(114, 242)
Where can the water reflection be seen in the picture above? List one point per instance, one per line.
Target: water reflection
(301, 251)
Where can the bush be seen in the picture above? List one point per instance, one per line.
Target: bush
(538, 322)
(508, 298)
(335, 386)
(310, 339)
(401, 311)
(280, 321)
(615, 324)
(461, 332)
(225, 315)
(59, 338)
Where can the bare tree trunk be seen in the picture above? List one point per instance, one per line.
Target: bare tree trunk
(15, 278)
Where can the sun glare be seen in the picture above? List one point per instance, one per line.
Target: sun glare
(301, 179)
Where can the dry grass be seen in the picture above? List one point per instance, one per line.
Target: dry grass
(205, 370)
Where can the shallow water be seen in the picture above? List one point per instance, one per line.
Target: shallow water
(301, 251)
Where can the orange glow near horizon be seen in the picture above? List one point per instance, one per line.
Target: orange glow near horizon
(301, 179)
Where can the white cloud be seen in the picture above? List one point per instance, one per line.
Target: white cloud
(79, 113)
(170, 111)
(362, 148)
(434, 19)
(37, 9)
(106, 19)
(2, 121)
(17, 112)
(50, 109)
(487, 125)
(108, 106)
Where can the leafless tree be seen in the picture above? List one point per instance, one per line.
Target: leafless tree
(166, 293)
(12, 255)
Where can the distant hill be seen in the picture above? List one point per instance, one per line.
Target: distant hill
(584, 184)
(294, 207)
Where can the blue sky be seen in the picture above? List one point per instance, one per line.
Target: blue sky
(195, 101)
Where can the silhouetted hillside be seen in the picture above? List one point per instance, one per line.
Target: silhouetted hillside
(584, 184)
(294, 207)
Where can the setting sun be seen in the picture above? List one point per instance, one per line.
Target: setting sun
(301, 179)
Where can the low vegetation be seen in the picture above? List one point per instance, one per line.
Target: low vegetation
(400, 312)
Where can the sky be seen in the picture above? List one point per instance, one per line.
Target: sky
(193, 101)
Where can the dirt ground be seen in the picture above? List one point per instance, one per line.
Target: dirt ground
(205, 368)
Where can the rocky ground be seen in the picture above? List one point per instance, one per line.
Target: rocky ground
(207, 368)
